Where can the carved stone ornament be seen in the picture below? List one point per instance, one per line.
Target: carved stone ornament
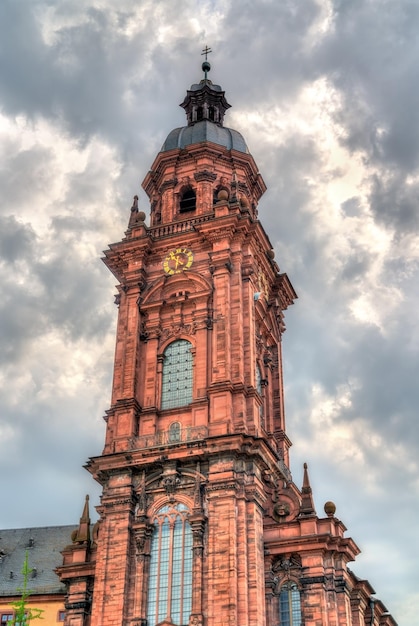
(143, 332)
(281, 510)
(197, 489)
(168, 184)
(205, 175)
(178, 329)
(141, 497)
(142, 538)
(171, 481)
(287, 563)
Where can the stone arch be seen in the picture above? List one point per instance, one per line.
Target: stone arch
(164, 500)
(167, 286)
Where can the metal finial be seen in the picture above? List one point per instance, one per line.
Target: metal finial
(206, 66)
(206, 51)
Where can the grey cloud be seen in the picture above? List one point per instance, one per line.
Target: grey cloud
(17, 240)
(70, 291)
(277, 27)
(387, 397)
(355, 266)
(25, 175)
(23, 60)
(67, 80)
(18, 325)
(90, 78)
(394, 201)
(370, 57)
(351, 207)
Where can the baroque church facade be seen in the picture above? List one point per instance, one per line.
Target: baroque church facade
(200, 522)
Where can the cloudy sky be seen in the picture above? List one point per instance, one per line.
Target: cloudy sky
(326, 93)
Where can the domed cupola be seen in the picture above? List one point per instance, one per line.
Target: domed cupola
(205, 101)
(205, 106)
(202, 168)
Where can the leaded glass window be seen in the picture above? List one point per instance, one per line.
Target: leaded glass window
(290, 605)
(259, 390)
(170, 582)
(174, 432)
(177, 377)
(258, 380)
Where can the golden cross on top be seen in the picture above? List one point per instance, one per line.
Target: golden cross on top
(206, 51)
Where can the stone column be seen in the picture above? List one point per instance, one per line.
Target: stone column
(142, 533)
(197, 523)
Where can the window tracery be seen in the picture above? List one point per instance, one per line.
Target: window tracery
(171, 563)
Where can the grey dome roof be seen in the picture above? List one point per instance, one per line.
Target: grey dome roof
(205, 130)
(198, 86)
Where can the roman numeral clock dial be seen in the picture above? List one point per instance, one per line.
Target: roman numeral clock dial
(178, 261)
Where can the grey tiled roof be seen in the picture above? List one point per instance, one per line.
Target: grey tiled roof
(205, 131)
(44, 555)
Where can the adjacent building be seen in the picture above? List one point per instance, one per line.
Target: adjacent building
(42, 547)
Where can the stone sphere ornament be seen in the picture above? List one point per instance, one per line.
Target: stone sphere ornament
(330, 508)
(222, 195)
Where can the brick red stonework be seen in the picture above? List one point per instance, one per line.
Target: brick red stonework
(253, 528)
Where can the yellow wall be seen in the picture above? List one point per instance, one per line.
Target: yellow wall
(50, 609)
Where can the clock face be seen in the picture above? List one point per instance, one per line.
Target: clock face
(263, 284)
(178, 261)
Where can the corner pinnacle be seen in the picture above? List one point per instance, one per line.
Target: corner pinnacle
(307, 503)
(82, 534)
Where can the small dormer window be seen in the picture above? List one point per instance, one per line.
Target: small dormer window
(174, 432)
(187, 200)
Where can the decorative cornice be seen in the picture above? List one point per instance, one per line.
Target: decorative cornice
(221, 487)
(168, 184)
(113, 503)
(205, 175)
(77, 606)
(313, 580)
(218, 234)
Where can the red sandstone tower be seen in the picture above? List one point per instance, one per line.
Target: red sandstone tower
(200, 522)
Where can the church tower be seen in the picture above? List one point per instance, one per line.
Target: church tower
(200, 521)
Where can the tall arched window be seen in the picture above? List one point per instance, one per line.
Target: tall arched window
(290, 605)
(170, 582)
(260, 392)
(258, 379)
(177, 377)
